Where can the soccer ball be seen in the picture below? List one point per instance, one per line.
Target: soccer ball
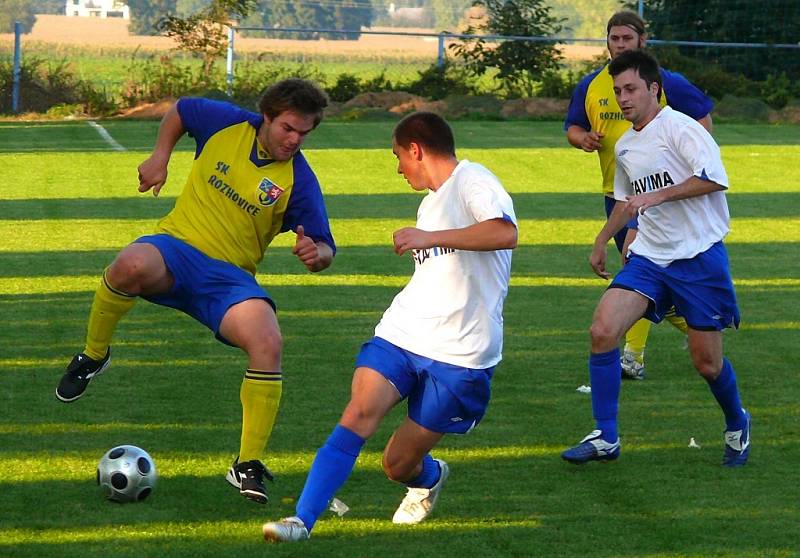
(126, 474)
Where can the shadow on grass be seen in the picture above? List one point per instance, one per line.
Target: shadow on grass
(389, 206)
(754, 260)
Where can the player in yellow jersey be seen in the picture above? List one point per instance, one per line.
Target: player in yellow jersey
(249, 182)
(595, 122)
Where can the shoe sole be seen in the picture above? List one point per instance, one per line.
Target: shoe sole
(601, 459)
(70, 400)
(252, 495)
(271, 536)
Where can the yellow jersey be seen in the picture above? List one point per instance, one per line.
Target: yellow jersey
(236, 199)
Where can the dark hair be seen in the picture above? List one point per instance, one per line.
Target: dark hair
(427, 129)
(294, 94)
(643, 62)
(628, 19)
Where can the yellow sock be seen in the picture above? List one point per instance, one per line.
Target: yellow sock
(260, 395)
(677, 321)
(108, 307)
(636, 339)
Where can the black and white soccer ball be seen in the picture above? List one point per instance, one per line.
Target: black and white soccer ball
(126, 474)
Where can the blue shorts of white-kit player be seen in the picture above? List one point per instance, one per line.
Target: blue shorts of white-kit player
(700, 288)
(441, 397)
(204, 287)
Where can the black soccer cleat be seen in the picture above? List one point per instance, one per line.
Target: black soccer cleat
(249, 477)
(79, 373)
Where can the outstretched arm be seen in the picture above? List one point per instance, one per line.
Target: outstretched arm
(492, 234)
(153, 171)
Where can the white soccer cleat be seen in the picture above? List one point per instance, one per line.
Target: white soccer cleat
(419, 502)
(632, 369)
(288, 529)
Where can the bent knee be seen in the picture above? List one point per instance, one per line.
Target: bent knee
(603, 336)
(360, 419)
(268, 343)
(707, 366)
(131, 269)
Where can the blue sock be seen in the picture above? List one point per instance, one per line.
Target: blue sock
(332, 465)
(428, 476)
(727, 395)
(605, 375)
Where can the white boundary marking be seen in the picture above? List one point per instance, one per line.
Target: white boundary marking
(106, 136)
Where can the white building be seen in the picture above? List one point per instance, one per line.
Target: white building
(97, 8)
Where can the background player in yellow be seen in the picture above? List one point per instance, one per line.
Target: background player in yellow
(248, 182)
(595, 122)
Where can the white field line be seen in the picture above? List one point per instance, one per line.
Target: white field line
(106, 136)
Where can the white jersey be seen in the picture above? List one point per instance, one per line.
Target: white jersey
(452, 308)
(667, 151)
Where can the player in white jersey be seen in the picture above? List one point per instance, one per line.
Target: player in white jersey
(669, 172)
(439, 341)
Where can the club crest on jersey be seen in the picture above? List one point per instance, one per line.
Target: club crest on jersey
(268, 192)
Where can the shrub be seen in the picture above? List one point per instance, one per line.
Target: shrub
(436, 82)
(346, 87)
(46, 84)
(743, 109)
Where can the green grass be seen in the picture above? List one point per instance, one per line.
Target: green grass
(68, 203)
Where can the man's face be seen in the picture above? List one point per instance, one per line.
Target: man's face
(637, 101)
(622, 38)
(285, 134)
(409, 165)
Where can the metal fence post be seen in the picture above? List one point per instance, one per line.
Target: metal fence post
(17, 67)
(230, 62)
(440, 56)
(641, 9)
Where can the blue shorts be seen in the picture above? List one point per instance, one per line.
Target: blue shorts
(700, 288)
(441, 397)
(203, 287)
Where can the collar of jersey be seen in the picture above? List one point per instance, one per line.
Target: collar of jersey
(256, 155)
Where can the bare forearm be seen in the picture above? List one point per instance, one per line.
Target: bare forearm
(613, 225)
(690, 188)
(493, 234)
(169, 132)
(575, 135)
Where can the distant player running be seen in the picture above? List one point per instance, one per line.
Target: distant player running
(438, 343)
(595, 122)
(249, 182)
(670, 173)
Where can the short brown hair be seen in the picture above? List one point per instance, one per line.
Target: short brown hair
(427, 129)
(628, 19)
(643, 62)
(294, 94)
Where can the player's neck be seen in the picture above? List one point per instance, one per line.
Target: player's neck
(647, 118)
(261, 138)
(440, 171)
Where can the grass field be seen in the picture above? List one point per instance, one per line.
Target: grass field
(68, 203)
(112, 68)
